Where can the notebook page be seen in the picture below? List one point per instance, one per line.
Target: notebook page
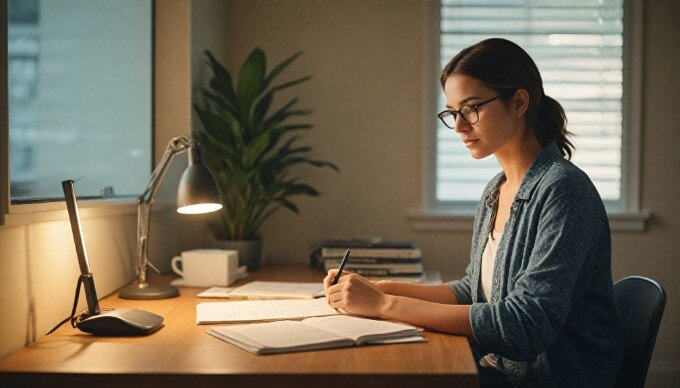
(280, 290)
(275, 337)
(215, 292)
(399, 340)
(261, 310)
(361, 329)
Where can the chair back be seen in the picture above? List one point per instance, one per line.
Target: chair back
(641, 302)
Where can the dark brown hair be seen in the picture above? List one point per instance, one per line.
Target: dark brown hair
(505, 67)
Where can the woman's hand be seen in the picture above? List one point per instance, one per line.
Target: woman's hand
(329, 279)
(355, 294)
(379, 284)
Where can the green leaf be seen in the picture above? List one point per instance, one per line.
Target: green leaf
(220, 128)
(287, 149)
(321, 163)
(301, 189)
(217, 164)
(288, 144)
(288, 205)
(293, 127)
(240, 180)
(291, 83)
(261, 109)
(279, 114)
(298, 160)
(221, 82)
(282, 114)
(278, 132)
(220, 102)
(251, 79)
(255, 149)
(300, 150)
(279, 68)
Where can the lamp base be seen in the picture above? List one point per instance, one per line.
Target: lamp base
(146, 291)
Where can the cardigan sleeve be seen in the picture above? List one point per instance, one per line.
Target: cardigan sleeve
(461, 288)
(525, 323)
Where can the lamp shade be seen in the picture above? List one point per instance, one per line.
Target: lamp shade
(197, 192)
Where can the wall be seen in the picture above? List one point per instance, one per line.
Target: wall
(367, 59)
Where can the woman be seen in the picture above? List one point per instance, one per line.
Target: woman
(537, 300)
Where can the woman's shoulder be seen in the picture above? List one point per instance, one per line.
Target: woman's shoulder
(566, 180)
(566, 192)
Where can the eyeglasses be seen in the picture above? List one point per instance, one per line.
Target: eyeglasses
(469, 113)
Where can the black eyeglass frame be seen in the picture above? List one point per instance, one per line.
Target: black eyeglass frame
(474, 107)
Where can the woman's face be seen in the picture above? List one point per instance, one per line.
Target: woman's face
(497, 124)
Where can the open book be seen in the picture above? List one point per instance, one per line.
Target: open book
(315, 333)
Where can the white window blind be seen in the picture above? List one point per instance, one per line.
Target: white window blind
(578, 47)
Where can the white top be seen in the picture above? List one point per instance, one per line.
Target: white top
(488, 260)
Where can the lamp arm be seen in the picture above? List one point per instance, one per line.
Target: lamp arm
(176, 146)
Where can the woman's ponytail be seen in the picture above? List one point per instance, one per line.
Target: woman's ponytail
(551, 124)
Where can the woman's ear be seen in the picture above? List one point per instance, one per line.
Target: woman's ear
(520, 102)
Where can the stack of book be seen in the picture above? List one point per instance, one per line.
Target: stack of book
(375, 260)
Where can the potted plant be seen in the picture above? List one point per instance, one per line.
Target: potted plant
(251, 149)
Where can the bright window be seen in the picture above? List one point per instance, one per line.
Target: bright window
(578, 47)
(80, 97)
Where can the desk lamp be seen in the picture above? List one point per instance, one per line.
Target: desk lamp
(197, 193)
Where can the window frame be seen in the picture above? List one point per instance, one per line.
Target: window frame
(54, 210)
(624, 215)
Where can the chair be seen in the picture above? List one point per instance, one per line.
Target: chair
(641, 302)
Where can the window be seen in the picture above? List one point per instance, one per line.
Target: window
(79, 97)
(579, 49)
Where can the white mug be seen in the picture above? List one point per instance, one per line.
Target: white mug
(207, 267)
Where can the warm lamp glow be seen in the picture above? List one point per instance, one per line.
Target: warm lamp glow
(197, 193)
(199, 208)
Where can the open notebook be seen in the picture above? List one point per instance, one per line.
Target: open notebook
(267, 290)
(261, 310)
(315, 333)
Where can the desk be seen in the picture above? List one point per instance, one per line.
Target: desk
(182, 354)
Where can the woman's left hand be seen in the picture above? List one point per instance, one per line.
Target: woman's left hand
(355, 294)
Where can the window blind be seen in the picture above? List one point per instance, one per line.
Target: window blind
(578, 48)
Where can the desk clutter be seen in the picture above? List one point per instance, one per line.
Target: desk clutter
(292, 317)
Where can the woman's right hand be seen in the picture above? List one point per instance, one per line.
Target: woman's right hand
(354, 294)
(329, 279)
(379, 284)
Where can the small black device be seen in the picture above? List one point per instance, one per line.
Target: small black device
(126, 321)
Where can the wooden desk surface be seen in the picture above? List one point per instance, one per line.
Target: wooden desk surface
(181, 353)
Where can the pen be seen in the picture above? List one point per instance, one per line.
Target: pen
(342, 265)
